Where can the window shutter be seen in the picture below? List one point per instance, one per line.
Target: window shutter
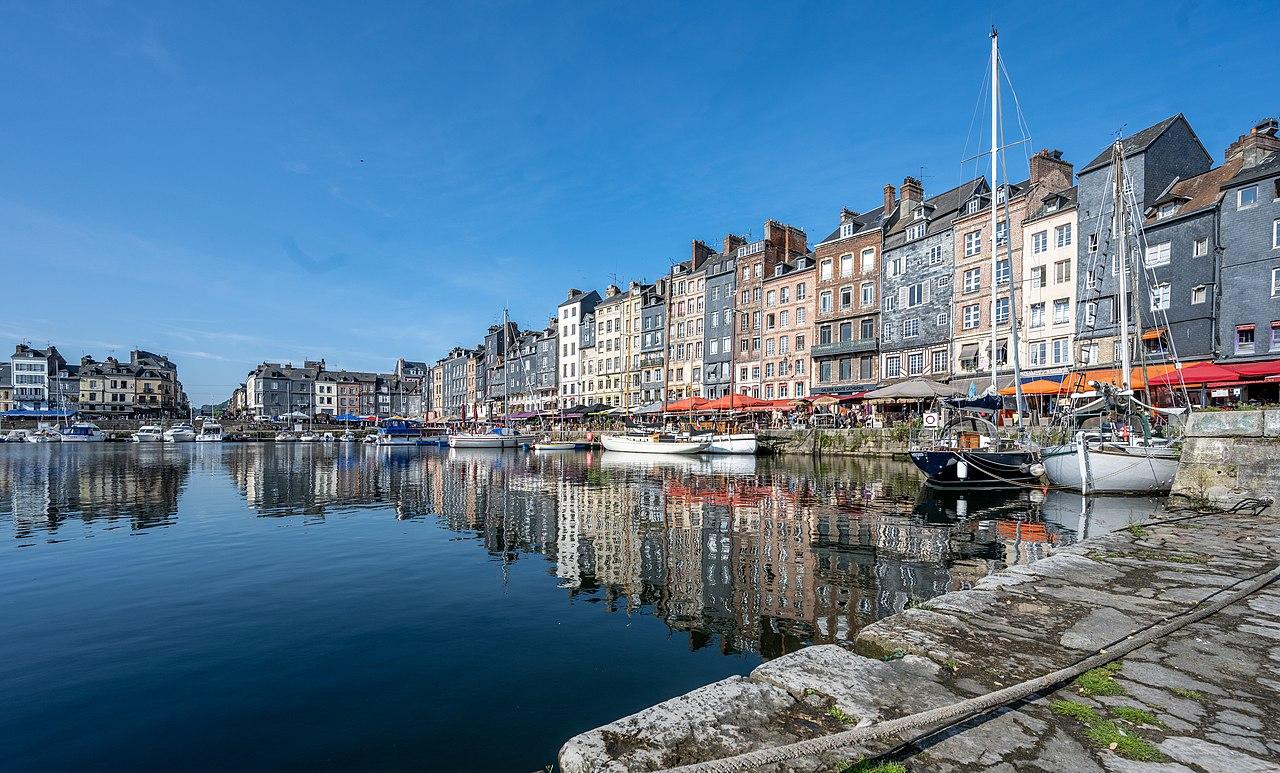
(902, 297)
(924, 298)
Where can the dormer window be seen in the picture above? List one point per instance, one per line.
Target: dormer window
(1167, 210)
(916, 231)
(846, 230)
(1000, 194)
(972, 207)
(919, 213)
(1052, 206)
(777, 270)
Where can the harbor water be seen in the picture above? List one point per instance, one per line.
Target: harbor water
(299, 606)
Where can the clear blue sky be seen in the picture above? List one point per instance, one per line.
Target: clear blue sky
(232, 182)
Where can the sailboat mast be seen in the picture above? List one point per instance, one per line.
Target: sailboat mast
(1117, 229)
(995, 110)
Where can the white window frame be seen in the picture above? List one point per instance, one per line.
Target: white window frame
(972, 280)
(972, 243)
(1039, 242)
(1062, 235)
(1157, 254)
(1200, 247)
(1160, 297)
(971, 321)
(1240, 202)
(1199, 294)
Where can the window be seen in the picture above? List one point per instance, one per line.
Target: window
(868, 259)
(868, 328)
(1200, 248)
(1003, 272)
(824, 270)
(944, 319)
(1062, 271)
(824, 372)
(910, 328)
(917, 294)
(915, 363)
(1002, 233)
(1002, 310)
(890, 302)
(894, 267)
(1160, 297)
(846, 230)
(939, 360)
(1062, 235)
(1275, 282)
(972, 243)
(770, 298)
(868, 294)
(846, 332)
(824, 335)
(1244, 339)
(934, 254)
(799, 348)
(1039, 276)
(846, 369)
(1038, 353)
(1167, 210)
(1199, 294)
(1062, 311)
(972, 280)
(824, 301)
(1247, 197)
(972, 316)
(1275, 234)
(916, 231)
(1275, 335)
(802, 291)
(1093, 242)
(1039, 242)
(846, 297)
(892, 367)
(846, 265)
(1158, 254)
(972, 206)
(784, 318)
(1037, 315)
(800, 315)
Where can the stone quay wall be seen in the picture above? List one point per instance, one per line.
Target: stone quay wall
(858, 441)
(1230, 455)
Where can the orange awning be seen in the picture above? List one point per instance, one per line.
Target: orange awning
(1152, 335)
(1039, 387)
(1077, 382)
(687, 404)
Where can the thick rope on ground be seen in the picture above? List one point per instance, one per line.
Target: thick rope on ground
(929, 722)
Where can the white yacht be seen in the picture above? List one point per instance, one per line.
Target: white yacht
(149, 433)
(181, 432)
(308, 437)
(44, 435)
(286, 437)
(653, 444)
(349, 437)
(17, 436)
(210, 432)
(498, 437)
(82, 432)
(328, 438)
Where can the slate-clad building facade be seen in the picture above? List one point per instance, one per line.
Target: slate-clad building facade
(717, 349)
(1249, 311)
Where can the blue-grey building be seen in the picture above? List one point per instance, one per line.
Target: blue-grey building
(1154, 158)
(717, 349)
(653, 342)
(1249, 316)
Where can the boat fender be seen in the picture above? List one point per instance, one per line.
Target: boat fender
(962, 470)
(1036, 469)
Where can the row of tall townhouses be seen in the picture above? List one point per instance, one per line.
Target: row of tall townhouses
(906, 289)
(274, 389)
(146, 385)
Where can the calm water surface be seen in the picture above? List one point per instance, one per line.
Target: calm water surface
(300, 607)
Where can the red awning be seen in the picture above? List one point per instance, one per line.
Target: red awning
(687, 404)
(1244, 327)
(1200, 373)
(1263, 368)
(734, 402)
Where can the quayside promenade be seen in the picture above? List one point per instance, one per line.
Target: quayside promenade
(1200, 699)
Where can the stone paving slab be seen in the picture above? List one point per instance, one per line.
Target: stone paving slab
(1209, 689)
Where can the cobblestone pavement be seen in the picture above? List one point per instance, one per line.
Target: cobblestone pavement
(1202, 699)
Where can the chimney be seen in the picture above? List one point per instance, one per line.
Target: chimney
(1258, 145)
(611, 291)
(1049, 171)
(912, 193)
(700, 254)
(732, 243)
(847, 214)
(572, 292)
(889, 194)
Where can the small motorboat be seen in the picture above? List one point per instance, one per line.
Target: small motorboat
(309, 437)
(82, 432)
(498, 437)
(210, 432)
(328, 438)
(349, 437)
(555, 445)
(180, 433)
(148, 433)
(17, 436)
(370, 440)
(286, 437)
(653, 444)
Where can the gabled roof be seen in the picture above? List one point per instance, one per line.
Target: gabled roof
(1135, 143)
(945, 205)
(1066, 200)
(1269, 168)
(1195, 193)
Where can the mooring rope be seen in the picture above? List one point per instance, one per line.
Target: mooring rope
(927, 723)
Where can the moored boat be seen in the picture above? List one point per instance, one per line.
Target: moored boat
(652, 444)
(210, 432)
(556, 445)
(498, 437)
(148, 433)
(1097, 465)
(286, 437)
(731, 443)
(180, 433)
(82, 432)
(398, 433)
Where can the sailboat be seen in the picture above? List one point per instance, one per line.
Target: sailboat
(968, 450)
(497, 437)
(1124, 455)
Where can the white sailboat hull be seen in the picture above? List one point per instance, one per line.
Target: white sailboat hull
(739, 443)
(490, 441)
(1131, 470)
(644, 445)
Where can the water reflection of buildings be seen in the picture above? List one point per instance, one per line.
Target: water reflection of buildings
(749, 556)
(43, 486)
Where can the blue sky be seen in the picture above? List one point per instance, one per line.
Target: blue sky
(235, 182)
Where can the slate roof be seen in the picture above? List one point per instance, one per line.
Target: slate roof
(1195, 193)
(945, 205)
(866, 222)
(1269, 168)
(6, 374)
(1134, 143)
(1069, 200)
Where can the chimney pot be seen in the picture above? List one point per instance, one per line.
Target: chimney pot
(889, 195)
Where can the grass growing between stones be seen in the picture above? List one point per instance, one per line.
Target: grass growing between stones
(1100, 681)
(1183, 692)
(1105, 734)
(840, 715)
(1136, 530)
(870, 766)
(1138, 716)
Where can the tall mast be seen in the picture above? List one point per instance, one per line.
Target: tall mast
(995, 110)
(1118, 222)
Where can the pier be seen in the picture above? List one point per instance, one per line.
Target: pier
(1200, 698)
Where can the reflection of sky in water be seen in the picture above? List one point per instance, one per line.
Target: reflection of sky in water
(272, 561)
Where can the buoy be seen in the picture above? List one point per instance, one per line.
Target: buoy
(962, 470)
(1036, 469)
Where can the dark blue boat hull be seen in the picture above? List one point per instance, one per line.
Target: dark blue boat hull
(982, 468)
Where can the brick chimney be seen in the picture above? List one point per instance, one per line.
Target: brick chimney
(1049, 171)
(732, 243)
(1256, 146)
(572, 292)
(889, 195)
(701, 252)
(846, 215)
(912, 193)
